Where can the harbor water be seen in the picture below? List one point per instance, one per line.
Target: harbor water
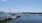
(26, 18)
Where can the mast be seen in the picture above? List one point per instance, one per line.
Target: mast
(9, 10)
(19, 10)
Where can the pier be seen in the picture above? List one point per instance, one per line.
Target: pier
(9, 18)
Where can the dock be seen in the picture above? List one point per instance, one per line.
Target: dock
(9, 18)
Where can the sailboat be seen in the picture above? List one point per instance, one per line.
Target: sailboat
(6, 17)
(14, 15)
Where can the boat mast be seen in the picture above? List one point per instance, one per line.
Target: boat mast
(19, 10)
(9, 10)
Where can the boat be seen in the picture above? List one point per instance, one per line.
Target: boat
(4, 17)
(8, 17)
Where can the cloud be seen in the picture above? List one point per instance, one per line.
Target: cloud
(3, 0)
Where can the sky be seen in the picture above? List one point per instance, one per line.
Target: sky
(21, 5)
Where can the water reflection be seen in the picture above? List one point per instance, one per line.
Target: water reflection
(27, 18)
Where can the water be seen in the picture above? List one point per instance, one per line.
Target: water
(27, 18)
